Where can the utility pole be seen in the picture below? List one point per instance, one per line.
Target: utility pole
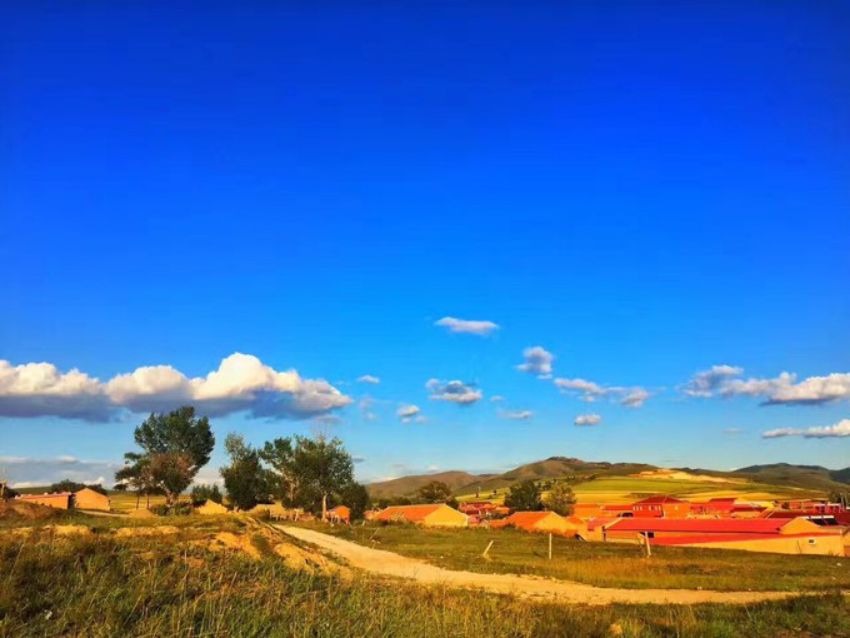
(550, 545)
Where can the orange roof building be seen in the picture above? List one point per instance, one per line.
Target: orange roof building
(437, 515)
(340, 513)
(548, 522)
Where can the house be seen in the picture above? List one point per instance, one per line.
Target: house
(437, 515)
(548, 522)
(211, 508)
(89, 499)
(661, 506)
(59, 500)
(339, 514)
(783, 536)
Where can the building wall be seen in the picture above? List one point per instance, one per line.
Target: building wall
(91, 500)
(58, 502)
(821, 545)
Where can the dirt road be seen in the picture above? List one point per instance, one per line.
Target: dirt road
(394, 565)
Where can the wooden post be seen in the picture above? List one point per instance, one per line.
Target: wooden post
(550, 545)
(489, 545)
(646, 544)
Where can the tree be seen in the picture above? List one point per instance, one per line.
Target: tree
(561, 499)
(72, 486)
(524, 497)
(280, 455)
(323, 468)
(136, 475)
(174, 447)
(435, 492)
(203, 493)
(356, 497)
(245, 479)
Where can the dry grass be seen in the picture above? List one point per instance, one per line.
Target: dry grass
(99, 585)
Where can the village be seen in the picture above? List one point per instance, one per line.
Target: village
(796, 527)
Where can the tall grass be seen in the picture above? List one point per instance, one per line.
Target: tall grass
(98, 586)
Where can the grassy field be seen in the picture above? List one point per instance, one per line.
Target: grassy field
(603, 564)
(101, 585)
(126, 501)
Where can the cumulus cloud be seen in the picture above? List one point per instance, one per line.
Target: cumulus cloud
(467, 326)
(241, 383)
(727, 381)
(516, 415)
(453, 391)
(588, 391)
(32, 472)
(838, 430)
(368, 378)
(537, 360)
(408, 412)
(588, 419)
(706, 382)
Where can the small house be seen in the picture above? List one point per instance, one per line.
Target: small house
(339, 514)
(58, 500)
(436, 515)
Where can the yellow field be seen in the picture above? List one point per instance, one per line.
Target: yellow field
(126, 501)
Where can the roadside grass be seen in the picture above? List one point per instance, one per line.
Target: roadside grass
(100, 586)
(602, 564)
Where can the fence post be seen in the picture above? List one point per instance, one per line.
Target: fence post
(550, 545)
(489, 545)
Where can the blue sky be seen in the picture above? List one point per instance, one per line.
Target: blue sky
(644, 191)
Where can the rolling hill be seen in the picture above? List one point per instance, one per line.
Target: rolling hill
(408, 485)
(785, 475)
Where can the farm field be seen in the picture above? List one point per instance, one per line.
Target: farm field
(166, 577)
(625, 489)
(602, 564)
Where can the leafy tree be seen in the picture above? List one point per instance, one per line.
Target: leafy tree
(561, 499)
(72, 486)
(280, 455)
(524, 496)
(356, 497)
(435, 492)
(174, 447)
(323, 468)
(203, 493)
(136, 474)
(245, 479)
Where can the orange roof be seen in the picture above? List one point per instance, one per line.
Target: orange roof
(526, 520)
(412, 513)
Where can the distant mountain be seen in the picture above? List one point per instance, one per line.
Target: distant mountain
(811, 477)
(409, 485)
(808, 476)
(465, 483)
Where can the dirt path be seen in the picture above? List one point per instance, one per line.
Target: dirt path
(387, 563)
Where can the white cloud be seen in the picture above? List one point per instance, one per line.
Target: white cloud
(368, 378)
(588, 391)
(33, 472)
(365, 405)
(241, 383)
(838, 430)
(453, 391)
(40, 389)
(706, 382)
(783, 389)
(538, 361)
(496, 398)
(588, 419)
(516, 415)
(467, 326)
(408, 412)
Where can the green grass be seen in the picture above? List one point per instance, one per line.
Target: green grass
(99, 586)
(604, 564)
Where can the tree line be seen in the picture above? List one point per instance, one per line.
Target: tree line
(311, 473)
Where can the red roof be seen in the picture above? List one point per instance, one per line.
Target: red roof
(697, 525)
(412, 513)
